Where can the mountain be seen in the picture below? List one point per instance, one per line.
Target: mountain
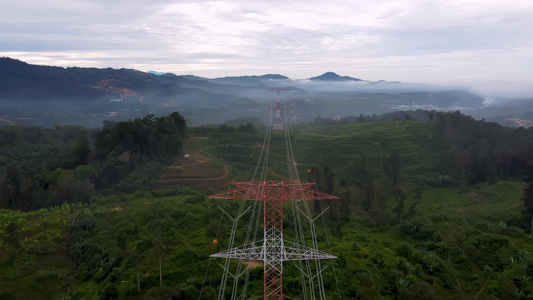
(22, 81)
(19, 80)
(330, 76)
(249, 80)
(156, 73)
(193, 77)
(39, 95)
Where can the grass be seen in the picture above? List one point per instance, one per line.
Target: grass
(498, 202)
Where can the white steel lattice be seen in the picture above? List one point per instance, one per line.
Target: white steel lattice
(273, 250)
(287, 251)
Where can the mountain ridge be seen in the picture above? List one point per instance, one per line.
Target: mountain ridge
(332, 76)
(34, 94)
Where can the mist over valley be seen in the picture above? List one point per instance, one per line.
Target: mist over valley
(47, 95)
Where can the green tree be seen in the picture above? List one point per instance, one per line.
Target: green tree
(109, 292)
(80, 153)
(325, 182)
(399, 195)
(179, 122)
(392, 167)
(10, 188)
(85, 172)
(527, 212)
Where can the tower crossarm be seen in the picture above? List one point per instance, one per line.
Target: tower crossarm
(278, 90)
(274, 190)
(288, 251)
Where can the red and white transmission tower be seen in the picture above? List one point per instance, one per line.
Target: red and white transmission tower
(273, 250)
(293, 118)
(278, 123)
(278, 90)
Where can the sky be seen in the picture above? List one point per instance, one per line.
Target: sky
(485, 44)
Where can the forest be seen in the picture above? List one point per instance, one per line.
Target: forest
(432, 205)
(69, 164)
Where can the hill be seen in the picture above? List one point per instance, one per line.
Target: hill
(330, 76)
(23, 81)
(250, 80)
(414, 234)
(38, 95)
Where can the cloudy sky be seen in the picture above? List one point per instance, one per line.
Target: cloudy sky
(430, 41)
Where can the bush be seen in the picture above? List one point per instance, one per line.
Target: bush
(109, 292)
(423, 291)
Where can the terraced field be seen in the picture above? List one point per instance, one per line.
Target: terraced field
(215, 161)
(197, 171)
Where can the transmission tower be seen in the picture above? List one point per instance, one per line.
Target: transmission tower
(278, 124)
(278, 90)
(273, 250)
(293, 120)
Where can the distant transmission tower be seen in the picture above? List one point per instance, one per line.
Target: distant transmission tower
(293, 120)
(278, 124)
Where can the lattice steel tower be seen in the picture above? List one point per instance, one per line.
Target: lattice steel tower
(272, 250)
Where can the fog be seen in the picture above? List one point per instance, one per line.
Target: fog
(504, 93)
(92, 97)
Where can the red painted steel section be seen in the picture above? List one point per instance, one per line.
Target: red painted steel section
(273, 193)
(274, 190)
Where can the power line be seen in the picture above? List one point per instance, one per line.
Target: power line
(273, 249)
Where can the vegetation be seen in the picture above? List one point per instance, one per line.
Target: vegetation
(428, 210)
(69, 164)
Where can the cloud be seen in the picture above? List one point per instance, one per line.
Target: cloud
(448, 42)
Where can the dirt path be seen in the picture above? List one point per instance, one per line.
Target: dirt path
(253, 263)
(197, 171)
(515, 205)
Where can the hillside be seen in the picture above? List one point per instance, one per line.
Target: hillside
(195, 170)
(411, 235)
